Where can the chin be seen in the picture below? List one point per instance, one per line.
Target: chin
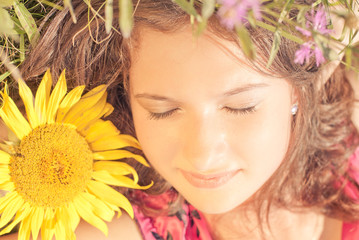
(215, 204)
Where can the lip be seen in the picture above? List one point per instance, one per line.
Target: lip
(210, 180)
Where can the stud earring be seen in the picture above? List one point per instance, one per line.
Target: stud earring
(294, 109)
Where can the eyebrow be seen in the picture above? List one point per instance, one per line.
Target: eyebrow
(245, 88)
(154, 97)
(234, 91)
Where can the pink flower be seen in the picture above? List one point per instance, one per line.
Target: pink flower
(234, 12)
(319, 58)
(304, 53)
(317, 21)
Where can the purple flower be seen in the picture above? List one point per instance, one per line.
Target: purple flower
(317, 21)
(304, 53)
(234, 12)
(319, 58)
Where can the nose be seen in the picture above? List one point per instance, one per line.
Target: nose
(204, 143)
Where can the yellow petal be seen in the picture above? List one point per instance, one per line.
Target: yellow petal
(11, 210)
(4, 201)
(74, 217)
(62, 226)
(99, 129)
(69, 100)
(99, 208)
(48, 224)
(28, 99)
(86, 102)
(19, 217)
(7, 185)
(36, 221)
(90, 115)
(82, 207)
(24, 231)
(42, 97)
(13, 117)
(117, 180)
(56, 97)
(4, 169)
(4, 157)
(114, 142)
(4, 177)
(108, 194)
(116, 168)
(107, 110)
(119, 154)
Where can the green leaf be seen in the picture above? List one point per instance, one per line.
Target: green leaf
(67, 3)
(126, 19)
(301, 14)
(51, 4)
(284, 12)
(187, 7)
(4, 76)
(348, 57)
(17, 25)
(6, 3)
(245, 42)
(27, 22)
(22, 47)
(208, 8)
(201, 27)
(108, 15)
(275, 47)
(7, 25)
(283, 33)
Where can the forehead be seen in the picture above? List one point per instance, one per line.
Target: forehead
(174, 59)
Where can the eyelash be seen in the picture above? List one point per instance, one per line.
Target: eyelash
(158, 116)
(241, 111)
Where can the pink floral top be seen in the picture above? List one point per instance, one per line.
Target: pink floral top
(189, 224)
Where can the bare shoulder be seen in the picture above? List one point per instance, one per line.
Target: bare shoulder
(118, 229)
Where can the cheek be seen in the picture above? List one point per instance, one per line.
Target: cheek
(262, 139)
(158, 142)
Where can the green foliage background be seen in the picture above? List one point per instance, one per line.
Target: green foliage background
(20, 27)
(21, 22)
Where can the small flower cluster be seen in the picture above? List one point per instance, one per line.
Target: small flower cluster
(317, 21)
(234, 12)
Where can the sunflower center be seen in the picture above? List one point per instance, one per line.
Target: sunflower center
(52, 165)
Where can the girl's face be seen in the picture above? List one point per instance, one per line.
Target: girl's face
(212, 127)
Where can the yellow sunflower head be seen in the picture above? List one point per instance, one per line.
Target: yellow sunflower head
(60, 164)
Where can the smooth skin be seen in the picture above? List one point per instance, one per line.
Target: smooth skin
(200, 110)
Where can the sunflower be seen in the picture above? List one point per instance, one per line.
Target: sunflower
(57, 166)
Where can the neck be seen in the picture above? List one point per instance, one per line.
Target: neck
(282, 224)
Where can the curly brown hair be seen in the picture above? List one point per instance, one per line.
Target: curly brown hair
(323, 135)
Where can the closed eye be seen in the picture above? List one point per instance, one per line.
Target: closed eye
(158, 116)
(240, 111)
